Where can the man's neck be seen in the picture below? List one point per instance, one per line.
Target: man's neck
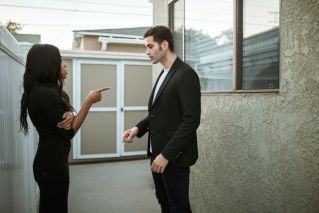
(169, 60)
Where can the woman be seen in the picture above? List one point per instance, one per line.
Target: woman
(46, 102)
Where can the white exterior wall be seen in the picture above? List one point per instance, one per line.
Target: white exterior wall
(18, 192)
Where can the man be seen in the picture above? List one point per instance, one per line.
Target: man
(174, 115)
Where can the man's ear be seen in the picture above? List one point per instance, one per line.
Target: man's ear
(164, 45)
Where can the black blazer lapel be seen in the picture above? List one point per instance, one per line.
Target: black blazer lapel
(170, 73)
(150, 101)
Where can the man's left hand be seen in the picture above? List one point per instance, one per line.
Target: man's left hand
(159, 164)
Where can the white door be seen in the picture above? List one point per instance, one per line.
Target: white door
(121, 106)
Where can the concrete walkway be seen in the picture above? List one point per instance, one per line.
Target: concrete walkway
(119, 187)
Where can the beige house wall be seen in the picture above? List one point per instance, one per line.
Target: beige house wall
(91, 43)
(260, 152)
(130, 48)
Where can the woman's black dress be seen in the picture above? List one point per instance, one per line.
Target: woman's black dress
(50, 166)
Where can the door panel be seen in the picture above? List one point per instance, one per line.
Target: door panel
(137, 85)
(130, 120)
(98, 133)
(95, 76)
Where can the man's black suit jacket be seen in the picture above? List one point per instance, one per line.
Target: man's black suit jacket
(174, 117)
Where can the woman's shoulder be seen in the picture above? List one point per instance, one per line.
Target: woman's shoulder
(44, 91)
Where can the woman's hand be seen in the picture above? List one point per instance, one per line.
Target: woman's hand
(67, 122)
(95, 96)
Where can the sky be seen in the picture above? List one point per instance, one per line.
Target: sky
(56, 19)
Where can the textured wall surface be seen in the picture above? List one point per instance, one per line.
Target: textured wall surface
(260, 152)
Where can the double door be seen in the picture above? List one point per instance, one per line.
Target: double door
(121, 107)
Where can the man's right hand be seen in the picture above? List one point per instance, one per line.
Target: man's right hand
(129, 134)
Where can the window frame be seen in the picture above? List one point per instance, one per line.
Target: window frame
(237, 85)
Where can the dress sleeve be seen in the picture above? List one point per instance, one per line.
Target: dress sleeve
(53, 110)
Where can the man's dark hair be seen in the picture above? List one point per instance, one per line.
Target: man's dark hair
(160, 34)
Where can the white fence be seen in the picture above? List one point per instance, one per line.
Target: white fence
(18, 192)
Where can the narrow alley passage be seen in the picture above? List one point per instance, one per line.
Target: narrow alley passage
(121, 187)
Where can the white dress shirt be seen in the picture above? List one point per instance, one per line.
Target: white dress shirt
(159, 83)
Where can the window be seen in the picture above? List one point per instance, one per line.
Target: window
(232, 44)
(177, 26)
(260, 44)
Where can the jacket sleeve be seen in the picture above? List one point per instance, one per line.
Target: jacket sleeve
(189, 94)
(143, 127)
(52, 109)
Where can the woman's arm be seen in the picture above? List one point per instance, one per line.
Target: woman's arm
(93, 97)
(70, 120)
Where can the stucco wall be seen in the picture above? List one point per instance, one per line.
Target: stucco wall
(260, 152)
